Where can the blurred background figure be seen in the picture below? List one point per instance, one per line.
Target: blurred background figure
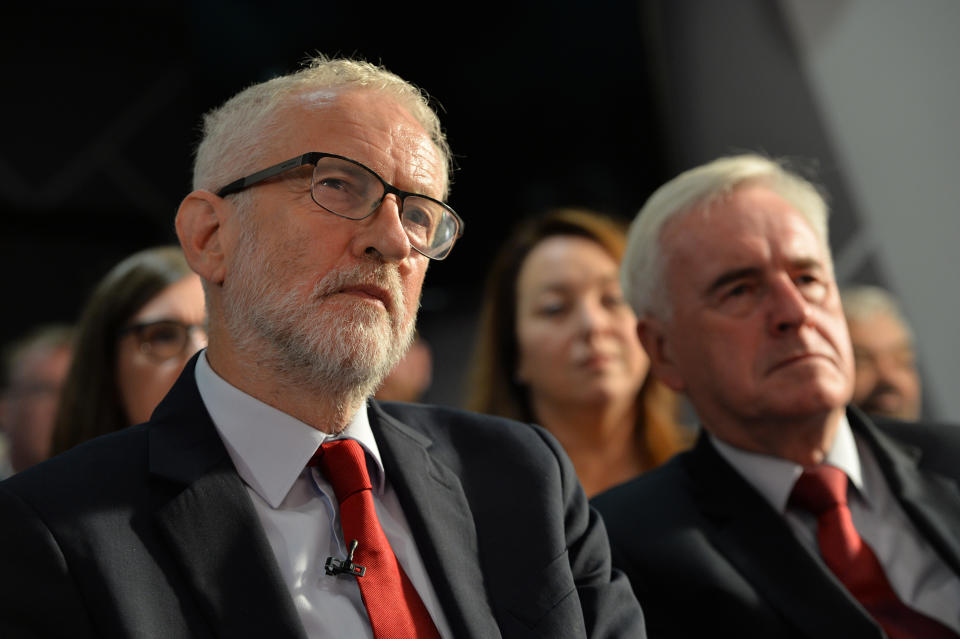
(558, 346)
(142, 323)
(33, 370)
(887, 381)
(411, 377)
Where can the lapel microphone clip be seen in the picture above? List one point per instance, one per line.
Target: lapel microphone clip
(345, 566)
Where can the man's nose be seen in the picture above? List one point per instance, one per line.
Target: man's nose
(382, 234)
(789, 309)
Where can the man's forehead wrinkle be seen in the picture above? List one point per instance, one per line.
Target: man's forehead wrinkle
(384, 134)
(688, 237)
(744, 244)
(417, 157)
(426, 167)
(673, 241)
(804, 251)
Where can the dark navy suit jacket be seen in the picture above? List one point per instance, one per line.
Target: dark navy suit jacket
(149, 532)
(709, 557)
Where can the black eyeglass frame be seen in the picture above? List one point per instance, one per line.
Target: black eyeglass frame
(311, 158)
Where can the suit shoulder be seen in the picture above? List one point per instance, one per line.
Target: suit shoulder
(939, 444)
(481, 443)
(409, 413)
(652, 500)
(447, 423)
(95, 467)
(670, 477)
(923, 434)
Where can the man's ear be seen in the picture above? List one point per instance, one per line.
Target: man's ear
(659, 349)
(200, 229)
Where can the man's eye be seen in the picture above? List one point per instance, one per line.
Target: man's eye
(812, 287)
(333, 183)
(739, 298)
(416, 216)
(738, 290)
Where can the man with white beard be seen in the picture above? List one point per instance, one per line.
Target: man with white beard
(268, 496)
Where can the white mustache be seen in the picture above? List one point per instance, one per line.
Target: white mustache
(380, 276)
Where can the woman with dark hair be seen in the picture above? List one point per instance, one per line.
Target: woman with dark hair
(558, 347)
(142, 323)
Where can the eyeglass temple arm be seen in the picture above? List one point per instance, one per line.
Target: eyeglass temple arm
(238, 185)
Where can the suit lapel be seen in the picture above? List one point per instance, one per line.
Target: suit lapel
(930, 500)
(441, 521)
(209, 524)
(760, 544)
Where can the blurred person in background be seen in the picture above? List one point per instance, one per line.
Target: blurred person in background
(886, 380)
(34, 368)
(558, 346)
(411, 377)
(142, 323)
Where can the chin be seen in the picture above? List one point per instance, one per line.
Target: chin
(814, 401)
(604, 393)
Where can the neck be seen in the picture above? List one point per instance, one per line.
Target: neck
(803, 441)
(601, 440)
(259, 375)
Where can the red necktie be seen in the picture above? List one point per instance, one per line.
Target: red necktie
(393, 605)
(822, 490)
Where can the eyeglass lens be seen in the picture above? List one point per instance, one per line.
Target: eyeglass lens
(167, 339)
(353, 191)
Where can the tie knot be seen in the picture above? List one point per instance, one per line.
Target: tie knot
(819, 489)
(344, 464)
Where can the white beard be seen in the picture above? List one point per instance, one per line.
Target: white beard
(344, 353)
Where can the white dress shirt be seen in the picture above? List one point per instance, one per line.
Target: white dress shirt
(299, 510)
(917, 574)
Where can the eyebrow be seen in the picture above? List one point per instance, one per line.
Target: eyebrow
(801, 264)
(731, 276)
(563, 285)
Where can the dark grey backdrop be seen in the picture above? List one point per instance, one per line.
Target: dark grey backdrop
(589, 103)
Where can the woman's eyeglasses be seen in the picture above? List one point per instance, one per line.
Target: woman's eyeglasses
(165, 339)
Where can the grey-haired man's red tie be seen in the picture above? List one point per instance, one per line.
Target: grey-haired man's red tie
(822, 491)
(393, 605)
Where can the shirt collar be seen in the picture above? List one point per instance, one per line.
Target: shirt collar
(270, 448)
(774, 477)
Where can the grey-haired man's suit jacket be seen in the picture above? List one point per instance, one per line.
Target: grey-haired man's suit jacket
(709, 557)
(150, 532)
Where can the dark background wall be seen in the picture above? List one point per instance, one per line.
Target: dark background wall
(545, 103)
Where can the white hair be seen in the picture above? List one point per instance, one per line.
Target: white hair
(234, 133)
(862, 302)
(642, 272)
